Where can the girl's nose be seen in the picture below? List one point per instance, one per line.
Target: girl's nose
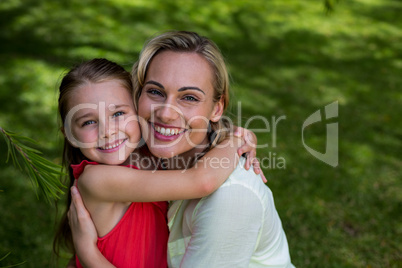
(108, 128)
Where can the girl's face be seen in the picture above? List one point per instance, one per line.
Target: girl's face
(177, 104)
(102, 122)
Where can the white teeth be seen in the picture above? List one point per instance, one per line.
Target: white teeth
(112, 146)
(167, 131)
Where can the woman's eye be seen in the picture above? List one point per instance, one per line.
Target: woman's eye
(190, 98)
(154, 92)
(89, 122)
(118, 114)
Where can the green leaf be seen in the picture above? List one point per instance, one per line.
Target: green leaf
(44, 174)
(12, 265)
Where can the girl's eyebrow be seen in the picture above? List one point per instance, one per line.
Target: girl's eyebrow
(89, 114)
(83, 116)
(118, 106)
(179, 90)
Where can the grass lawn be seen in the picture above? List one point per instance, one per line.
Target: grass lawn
(287, 59)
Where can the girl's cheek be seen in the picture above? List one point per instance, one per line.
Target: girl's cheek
(88, 136)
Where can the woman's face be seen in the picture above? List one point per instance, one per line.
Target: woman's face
(177, 104)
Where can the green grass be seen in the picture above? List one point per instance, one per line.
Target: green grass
(285, 57)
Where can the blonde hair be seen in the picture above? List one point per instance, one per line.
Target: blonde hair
(183, 41)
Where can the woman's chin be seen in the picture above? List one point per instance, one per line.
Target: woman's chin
(162, 153)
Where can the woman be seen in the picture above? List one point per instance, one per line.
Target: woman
(181, 85)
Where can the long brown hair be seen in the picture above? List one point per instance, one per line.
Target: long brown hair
(93, 71)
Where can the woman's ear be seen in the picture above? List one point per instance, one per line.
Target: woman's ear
(218, 110)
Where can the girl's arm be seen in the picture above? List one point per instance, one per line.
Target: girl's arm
(122, 184)
(249, 149)
(84, 235)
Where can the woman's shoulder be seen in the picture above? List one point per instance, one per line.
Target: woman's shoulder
(241, 175)
(248, 182)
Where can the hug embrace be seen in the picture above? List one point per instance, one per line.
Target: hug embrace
(177, 210)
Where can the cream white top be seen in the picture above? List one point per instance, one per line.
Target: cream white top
(236, 226)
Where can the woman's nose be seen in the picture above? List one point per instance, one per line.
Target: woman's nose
(167, 112)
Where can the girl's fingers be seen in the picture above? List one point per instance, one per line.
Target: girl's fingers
(72, 212)
(256, 166)
(79, 207)
(238, 132)
(257, 170)
(240, 151)
(248, 162)
(263, 177)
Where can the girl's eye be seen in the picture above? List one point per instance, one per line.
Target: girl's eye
(118, 114)
(89, 122)
(154, 92)
(190, 98)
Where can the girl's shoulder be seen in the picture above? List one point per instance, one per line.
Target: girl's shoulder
(79, 169)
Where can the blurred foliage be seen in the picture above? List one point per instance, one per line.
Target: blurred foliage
(44, 175)
(286, 58)
(12, 265)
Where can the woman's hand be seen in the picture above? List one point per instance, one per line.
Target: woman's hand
(250, 149)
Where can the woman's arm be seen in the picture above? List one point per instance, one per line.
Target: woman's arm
(121, 184)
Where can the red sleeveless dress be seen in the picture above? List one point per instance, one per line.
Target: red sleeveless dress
(140, 237)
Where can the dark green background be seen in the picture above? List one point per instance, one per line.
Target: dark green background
(285, 58)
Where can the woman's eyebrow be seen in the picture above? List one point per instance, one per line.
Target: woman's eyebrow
(179, 90)
(154, 83)
(187, 88)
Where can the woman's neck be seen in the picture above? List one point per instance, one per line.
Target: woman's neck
(185, 160)
(144, 159)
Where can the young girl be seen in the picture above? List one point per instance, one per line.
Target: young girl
(101, 127)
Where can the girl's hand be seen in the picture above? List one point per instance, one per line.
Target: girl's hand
(83, 229)
(84, 234)
(250, 149)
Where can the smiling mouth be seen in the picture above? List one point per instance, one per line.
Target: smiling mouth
(167, 131)
(111, 146)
